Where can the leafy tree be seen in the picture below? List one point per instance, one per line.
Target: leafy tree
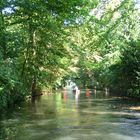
(35, 44)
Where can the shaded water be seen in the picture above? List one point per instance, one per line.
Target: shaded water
(64, 116)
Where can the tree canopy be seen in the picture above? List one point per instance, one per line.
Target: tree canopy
(44, 42)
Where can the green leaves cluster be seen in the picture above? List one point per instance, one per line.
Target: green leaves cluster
(107, 39)
(34, 45)
(44, 42)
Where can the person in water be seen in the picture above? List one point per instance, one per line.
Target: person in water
(87, 92)
(75, 89)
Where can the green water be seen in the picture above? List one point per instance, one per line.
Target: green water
(62, 116)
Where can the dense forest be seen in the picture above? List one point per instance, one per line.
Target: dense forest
(45, 42)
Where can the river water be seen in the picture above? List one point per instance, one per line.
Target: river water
(64, 116)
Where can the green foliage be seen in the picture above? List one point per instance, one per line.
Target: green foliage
(107, 39)
(131, 69)
(44, 42)
(34, 45)
(8, 83)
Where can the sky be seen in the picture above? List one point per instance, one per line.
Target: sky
(9, 10)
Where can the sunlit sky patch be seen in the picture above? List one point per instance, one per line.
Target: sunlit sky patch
(110, 4)
(8, 10)
(96, 11)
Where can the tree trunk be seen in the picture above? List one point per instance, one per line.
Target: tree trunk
(3, 36)
(34, 88)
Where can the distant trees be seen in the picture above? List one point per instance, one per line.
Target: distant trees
(107, 42)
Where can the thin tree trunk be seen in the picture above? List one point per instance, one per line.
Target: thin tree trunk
(3, 42)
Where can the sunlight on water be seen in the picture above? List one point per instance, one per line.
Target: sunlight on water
(65, 116)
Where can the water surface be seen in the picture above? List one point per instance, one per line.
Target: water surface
(64, 116)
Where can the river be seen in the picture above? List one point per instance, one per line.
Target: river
(64, 116)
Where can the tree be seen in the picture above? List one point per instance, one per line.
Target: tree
(36, 45)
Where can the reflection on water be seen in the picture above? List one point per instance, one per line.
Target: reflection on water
(88, 115)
